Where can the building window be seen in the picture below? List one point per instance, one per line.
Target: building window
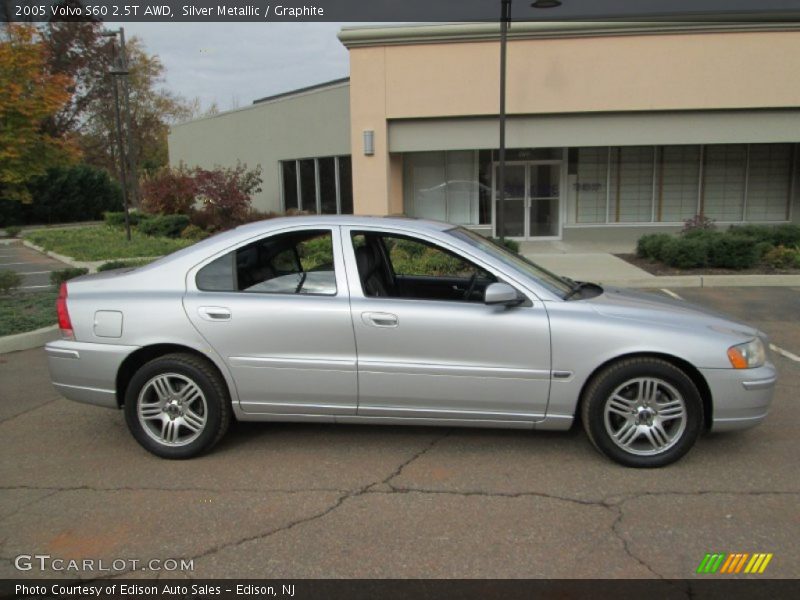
(724, 181)
(679, 178)
(327, 185)
(769, 183)
(318, 185)
(308, 185)
(591, 185)
(289, 176)
(631, 184)
(730, 183)
(345, 185)
(446, 186)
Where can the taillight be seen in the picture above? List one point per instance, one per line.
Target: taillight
(64, 322)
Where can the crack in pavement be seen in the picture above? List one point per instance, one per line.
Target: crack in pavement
(614, 503)
(336, 504)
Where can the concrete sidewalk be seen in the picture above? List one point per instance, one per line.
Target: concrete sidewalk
(596, 262)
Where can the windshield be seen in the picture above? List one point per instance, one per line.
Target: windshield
(554, 283)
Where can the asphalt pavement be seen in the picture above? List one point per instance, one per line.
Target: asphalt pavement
(34, 266)
(303, 500)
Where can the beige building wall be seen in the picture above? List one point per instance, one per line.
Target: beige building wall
(307, 124)
(446, 72)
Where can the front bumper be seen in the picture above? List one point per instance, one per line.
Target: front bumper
(741, 397)
(86, 372)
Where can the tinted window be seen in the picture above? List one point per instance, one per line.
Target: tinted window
(292, 263)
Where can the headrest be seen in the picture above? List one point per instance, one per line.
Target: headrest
(366, 260)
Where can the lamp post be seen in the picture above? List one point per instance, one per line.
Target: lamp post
(127, 157)
(505, 21)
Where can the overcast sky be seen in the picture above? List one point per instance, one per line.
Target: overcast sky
(233, 64)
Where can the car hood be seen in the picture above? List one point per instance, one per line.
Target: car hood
(651, 308)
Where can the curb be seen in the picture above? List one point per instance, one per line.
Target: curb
(28, 339)
(703, 281)
(60, 257)
(92, 265)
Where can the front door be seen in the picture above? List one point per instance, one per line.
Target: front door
(532, 205)
(428, 347)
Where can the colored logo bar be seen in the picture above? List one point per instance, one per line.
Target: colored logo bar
(741, 562)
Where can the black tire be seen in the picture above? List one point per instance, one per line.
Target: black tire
(675, 385)
(216, 408)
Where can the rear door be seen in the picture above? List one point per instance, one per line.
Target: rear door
(277, 311)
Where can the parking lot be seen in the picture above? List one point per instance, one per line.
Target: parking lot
(302, 500)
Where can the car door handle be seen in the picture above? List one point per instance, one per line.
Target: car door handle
(214, 313)
(379, 319)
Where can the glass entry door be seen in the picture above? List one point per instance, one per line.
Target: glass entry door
(532, 207)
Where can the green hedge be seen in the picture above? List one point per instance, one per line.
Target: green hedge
(59, 277)
(64, 195)
(9, 280)
(170, 226)
(117, 219)
(738, 248)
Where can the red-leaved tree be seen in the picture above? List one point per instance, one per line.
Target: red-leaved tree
(214, 199)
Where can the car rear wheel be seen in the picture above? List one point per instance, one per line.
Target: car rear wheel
(177, 406)
(642, 412)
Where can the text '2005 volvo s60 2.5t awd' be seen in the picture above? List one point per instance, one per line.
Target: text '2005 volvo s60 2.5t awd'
(397, 321)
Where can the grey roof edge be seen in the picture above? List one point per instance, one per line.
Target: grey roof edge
(303, 90)
(426, 33)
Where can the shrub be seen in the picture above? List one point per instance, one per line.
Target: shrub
(13, 231)
(225, 194)
(698, 222)
(169, 226)
(69, 194)
(9, 280)
(117, 219)
(193, 232)
(762, 248)
(59, 277)
(122, 264)
(169, 191)
(782, 257)
(698, 234)
(650, 246)
(762, 233)
(732, 251)
(508, 244)
(787, 234)
(685, 253)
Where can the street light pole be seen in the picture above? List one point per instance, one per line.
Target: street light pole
(505, 18)
(119, 68)
(505, 22)
(132, 170)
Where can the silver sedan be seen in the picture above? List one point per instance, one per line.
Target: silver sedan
(397, 321)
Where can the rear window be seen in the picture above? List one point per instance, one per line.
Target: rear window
(291, 263)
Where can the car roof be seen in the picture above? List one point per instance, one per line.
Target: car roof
(350, 220)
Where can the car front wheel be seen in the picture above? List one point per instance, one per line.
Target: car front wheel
(177, 406)
(642, 412)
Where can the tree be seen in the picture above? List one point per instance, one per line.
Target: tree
(31, 95)
(79, 50)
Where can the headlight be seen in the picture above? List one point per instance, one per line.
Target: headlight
(748, 355)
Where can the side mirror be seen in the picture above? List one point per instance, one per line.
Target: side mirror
(502, 293)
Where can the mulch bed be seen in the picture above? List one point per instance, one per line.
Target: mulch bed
(657, 268)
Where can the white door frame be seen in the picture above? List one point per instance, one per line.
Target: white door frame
(563, 175)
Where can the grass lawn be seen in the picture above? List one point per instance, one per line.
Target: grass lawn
(26, 311)
(103, 243)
